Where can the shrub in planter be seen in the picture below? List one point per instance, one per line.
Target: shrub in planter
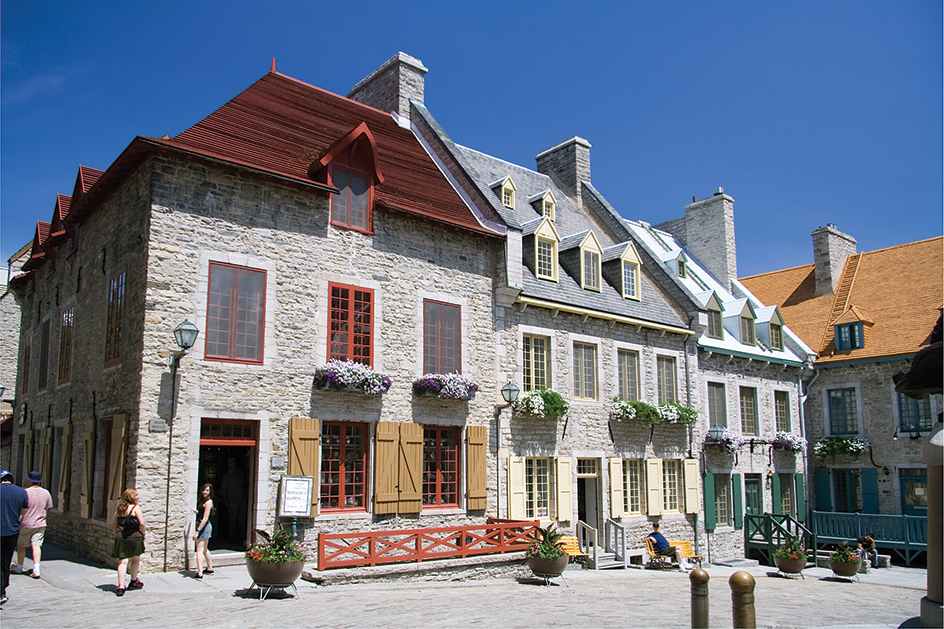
(345, 375)
(790, 557)
(833, 446)
(788, 441)
(547, 402)
(545, 555)
(845, 560)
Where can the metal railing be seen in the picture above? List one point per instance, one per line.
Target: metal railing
(765, 533)
(589, 543)
(614, 541)
(907, 535)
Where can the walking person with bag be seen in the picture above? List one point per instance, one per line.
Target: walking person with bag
(204, 529)
(33, 526)
(129, 540)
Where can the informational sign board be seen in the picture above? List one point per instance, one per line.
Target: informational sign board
(295, 494)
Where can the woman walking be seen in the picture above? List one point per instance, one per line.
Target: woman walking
(129, 540)
(204, 529)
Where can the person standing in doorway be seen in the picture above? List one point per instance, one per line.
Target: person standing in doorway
(13, 505)
(204, 529)
(33, 526)
(129, 540)
(233, 489)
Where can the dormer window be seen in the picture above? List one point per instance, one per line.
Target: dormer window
(747, 331)
(681, 267)
(715, 326)
(506, 192)
(351, 206)
(547, 257)
(630, 280)
(776, 337)
(590, 252)
(849, 336)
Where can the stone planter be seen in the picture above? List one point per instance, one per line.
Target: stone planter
(789, 565)
(275, 573)
(845, 568)
(552, 567)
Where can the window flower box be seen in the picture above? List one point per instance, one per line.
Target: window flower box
(344, 375)
(453, 386)
(833, 446)
(541, 402)
(789, 442)
(727, 439)
(671, 413)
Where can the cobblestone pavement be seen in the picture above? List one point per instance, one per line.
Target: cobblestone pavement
(74, 594)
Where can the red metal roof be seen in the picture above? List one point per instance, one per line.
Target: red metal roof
(84, 180)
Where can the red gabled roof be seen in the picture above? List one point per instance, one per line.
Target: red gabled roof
(84, 180)
(37, 252)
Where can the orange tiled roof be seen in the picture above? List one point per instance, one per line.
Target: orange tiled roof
(900, 289)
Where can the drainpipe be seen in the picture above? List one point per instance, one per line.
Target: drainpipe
(806, 456)
(688, 399)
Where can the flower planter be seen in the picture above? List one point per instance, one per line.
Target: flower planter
(788, 565)
(274, 573)
(845, 568)
(552, 567)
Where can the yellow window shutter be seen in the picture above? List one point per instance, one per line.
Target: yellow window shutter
(516, 488)
(386, 495)
(116, 472)
(654, 486)
(65, 468)
(476, 460)
(692, 500)
(410, 478)
(565, 506)
(88, 468)
(304, 452)
(616, 488)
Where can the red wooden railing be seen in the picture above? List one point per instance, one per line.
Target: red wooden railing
(372, 548)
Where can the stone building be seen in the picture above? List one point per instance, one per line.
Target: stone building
(866, 315)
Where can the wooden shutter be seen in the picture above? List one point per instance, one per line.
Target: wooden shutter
(800, 495)
(386, 496)
(869, 477)
(117, 459)
(410, 478)
(565, 504)
(654, 486)
(823, 499)
(737, 501)
(476, 461)
(516, 502)
(304, 452)
(45, 462)
(775, 493)
(27, 453)
(708, 487)
(692, 498)
(88, 468)
(616, 488)
(65, 468)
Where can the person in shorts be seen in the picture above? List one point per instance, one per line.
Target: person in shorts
(33, 525)
(13, 505)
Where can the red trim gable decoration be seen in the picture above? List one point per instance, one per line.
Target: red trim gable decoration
(333, 151)
(37, 253)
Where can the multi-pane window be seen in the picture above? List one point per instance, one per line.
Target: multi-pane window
(915, 414)
(717, 404)
(843, 415)
(630, 280)
(44, 355)
(722, 499)
(846, 487)
(633, 480)
(351, 206)
(585, 371)
(546, 252)
(670, 485)
(715, 327)
(351, 329)
(235, 313)
(591, 270)
(782, 410)
(627, 366)
(776, 336)
(508, 196)
(747, 330)
(849, 336)
(440, 466)
(113, 324)
(343, 466)
(681, 267)
(536, 362)
(786, 494)
(65, 344)
(548, 206)
(442, 338)
(586, 467)
(537, 487)
(749, 411)
(665, 375)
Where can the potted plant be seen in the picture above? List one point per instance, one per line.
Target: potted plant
(445, 385)
(790, 557)
(675, 413)
(277, 560)
(833, 446)
(845, 560)
(545, 555)
(545, 402)
(788, 441)
(635, 410)
(345, 375)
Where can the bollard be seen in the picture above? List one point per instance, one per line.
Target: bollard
(742, 600)
(699, 579)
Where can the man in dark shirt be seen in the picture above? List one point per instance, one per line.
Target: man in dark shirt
(13, 504)
(867, 550)
(663, 548)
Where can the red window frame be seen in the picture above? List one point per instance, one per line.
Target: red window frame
(66, 325)
(351, 328)
(342, 204)
(220, 307)
(441, 466)
(344, 469)
(227, 432)
(116, 315)
(442, 337)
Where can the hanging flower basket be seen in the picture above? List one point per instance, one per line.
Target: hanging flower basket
(671, 413)
(344, 375)
(789, 442)
(445, 385)
(727, 439)
(541, 402)
(833, 446)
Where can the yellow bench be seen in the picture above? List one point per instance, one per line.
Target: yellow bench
(571, 546)
(687, 551)
(655, 559)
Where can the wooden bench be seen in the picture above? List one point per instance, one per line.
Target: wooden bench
(571, 546)
(655, 559)
(687, 551)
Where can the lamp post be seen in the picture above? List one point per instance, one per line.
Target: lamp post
(185, 335)
(715, 433)
(509, 393)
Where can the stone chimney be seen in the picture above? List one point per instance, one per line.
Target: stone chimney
(391, 86)
(831, 248)
(707, 230)
(568, 163)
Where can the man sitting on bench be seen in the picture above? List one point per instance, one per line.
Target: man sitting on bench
(663, 548)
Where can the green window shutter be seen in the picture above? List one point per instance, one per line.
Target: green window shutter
(821, 480)
(869, 477)
(800, 497)
(708, 488)
(737, 499)
(775, 493)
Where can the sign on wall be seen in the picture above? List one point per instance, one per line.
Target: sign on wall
(295, 494)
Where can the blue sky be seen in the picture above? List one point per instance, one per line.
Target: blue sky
(806, 113)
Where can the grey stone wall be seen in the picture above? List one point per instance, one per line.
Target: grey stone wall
(707, 231)
(391, 86)
(569, 161)
(831, 249)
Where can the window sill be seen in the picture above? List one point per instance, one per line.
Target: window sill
(344, 515)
